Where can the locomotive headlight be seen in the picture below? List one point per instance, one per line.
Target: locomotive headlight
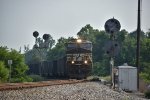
(85, 62)
(79, 40)
(72, 62)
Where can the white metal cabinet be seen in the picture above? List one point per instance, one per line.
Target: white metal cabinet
(127, 76)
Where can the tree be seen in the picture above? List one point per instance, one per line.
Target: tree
(101, 65)
(52, 42)
(98, 38)
(145, 59)
(148, 34)
(134, 34)
(34, 56)
(40, 50)
(85, 32)
(4, 73)
(122, 35)
(19, 68)
(127, 52)
(59, 50)
(3, 53)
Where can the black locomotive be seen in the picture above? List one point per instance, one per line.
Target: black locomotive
(76, 64)
(79, 58)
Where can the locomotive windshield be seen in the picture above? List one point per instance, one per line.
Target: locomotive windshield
(79, 47)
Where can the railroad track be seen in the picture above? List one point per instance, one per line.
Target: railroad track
(16, 86)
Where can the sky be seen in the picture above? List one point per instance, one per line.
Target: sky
(64, 18)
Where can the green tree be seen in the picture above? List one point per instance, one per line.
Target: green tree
(122, 35)
(51, 41)
(4, 53)
(85, 31)
(4, 73)
(40, 49)
(148, 34)
(98, 38)
(33, 56)
(19, 68)
(127, 52)
(59, 50)
(145, 59)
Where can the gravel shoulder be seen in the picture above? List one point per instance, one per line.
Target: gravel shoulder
(78, 91)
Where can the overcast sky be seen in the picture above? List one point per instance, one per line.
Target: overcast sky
(64, 18)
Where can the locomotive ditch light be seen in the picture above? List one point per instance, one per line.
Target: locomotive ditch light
(79, 40)
(85, 62)
(72, 62)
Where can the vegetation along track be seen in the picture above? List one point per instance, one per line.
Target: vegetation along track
(15, 86)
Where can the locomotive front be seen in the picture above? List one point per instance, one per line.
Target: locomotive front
(79, 58)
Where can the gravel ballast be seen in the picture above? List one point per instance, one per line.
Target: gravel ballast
(78, 91)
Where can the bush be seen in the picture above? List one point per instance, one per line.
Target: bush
(93, 78)
(19, 68)
(145, 77)
(36, 78)
(147, 94)
(107, 78)
(4, 73)
(21, 79)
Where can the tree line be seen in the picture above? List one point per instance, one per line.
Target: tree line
(101, 60)
(18, 67)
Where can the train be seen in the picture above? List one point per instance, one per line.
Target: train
(76, 64)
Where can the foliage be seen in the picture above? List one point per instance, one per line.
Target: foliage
(101, 61)
(134, 34)
(98, 38)
(18, 67)
(127, 54)
(51, 41)
(147, 94)
(93, 78)
(148, 34)
(59, 50)
(36, 78)
(145, 76)
(145, 58)
(4, 73)
(39, 51)
(100, 69)
(22, 79)
(106, 78)
(32, 56)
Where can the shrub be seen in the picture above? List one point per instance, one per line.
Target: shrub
(107, 78)
(36, 78)
(147, 94)
(19, 68)
(21, 79)
(145, 77)
(4, 73)
(93, 78)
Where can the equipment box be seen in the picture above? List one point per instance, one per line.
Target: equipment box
(127, 76)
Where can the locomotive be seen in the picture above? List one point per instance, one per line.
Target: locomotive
(79, 58)
(76, 64)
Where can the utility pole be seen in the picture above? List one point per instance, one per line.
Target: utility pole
(9, 63)
(138, 41)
